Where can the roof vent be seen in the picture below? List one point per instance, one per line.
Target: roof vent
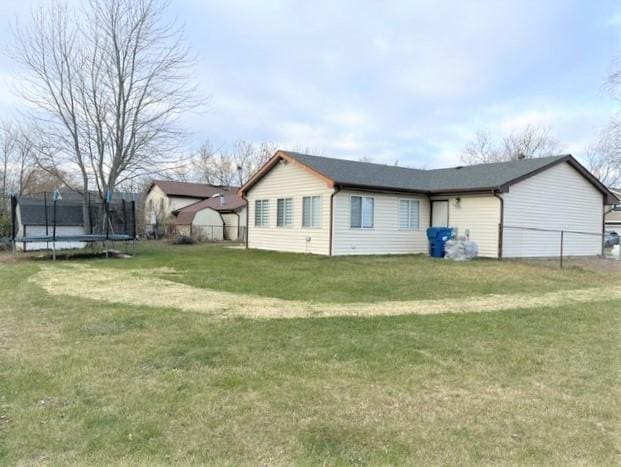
(521, 156)
(459, 167)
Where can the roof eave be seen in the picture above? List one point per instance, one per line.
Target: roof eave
(481, 190)
(384, 189)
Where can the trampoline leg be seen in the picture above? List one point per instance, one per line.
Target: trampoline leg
(54, 251)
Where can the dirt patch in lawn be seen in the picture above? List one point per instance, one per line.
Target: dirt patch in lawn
(148, 288)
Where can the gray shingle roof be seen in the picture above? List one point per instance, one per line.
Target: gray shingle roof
(466, 178)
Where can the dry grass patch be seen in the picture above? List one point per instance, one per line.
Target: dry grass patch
(146, 288)
(94, 372)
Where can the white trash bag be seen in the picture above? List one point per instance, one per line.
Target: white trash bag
(460, 249)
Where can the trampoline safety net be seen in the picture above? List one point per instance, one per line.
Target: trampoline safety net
(47, 217)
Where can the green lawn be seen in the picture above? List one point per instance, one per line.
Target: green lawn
(90, 382)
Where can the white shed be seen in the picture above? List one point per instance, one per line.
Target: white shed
(221, 217)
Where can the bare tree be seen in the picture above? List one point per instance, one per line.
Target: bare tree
(18, 172)
(249, 158)
(530, 142)
(604, 158)
(230, 168)
(109, 83)
(8, 142)
(481, 149)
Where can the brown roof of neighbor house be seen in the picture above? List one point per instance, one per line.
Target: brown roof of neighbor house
(229, 202)
(188, 190)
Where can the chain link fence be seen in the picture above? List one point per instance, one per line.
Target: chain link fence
(200, 233)
(564, 246)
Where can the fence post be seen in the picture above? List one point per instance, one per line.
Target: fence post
(54, 230)
(124, 204)
(47, 233)
(500, 240)
(133, 220)
(14, 223)
(562, 235)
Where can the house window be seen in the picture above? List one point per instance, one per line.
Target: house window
(261, 212)
(284, 212)
(362, 212)
(409, 214)
(311, 211)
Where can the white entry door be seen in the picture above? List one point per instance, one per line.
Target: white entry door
(439, 214)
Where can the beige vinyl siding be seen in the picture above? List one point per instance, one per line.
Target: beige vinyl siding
(558, 198)
(386, 236)
(480, 216)
(290, 181)
(613, 218)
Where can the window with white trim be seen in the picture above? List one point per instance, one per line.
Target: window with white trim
(284, 212)
(311, 211)
(409, 214)
(261, 212)
(362, 210)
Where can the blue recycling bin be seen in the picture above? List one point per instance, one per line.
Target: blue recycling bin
(437, 237)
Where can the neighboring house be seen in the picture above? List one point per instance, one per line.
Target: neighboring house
(164, 196)
(304, 203)
(33, 221)
(221, 217)
(613, 215)
(197, 209)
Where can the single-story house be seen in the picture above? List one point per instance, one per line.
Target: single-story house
(613, 214)
(304, 203)
(165, 196)
(221, 217)
(33, 221)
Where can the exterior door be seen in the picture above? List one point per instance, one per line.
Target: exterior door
(439, 214)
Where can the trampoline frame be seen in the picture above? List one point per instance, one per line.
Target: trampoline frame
(107, 236)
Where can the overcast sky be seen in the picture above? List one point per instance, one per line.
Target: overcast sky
(409, 81)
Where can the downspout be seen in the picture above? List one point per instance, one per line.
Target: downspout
(604, 225)
(247, 234)
(336, 190)
(501, 225)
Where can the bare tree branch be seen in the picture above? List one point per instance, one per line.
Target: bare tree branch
(530, 142)
(109, 83)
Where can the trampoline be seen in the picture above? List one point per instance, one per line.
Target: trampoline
(63, 220)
